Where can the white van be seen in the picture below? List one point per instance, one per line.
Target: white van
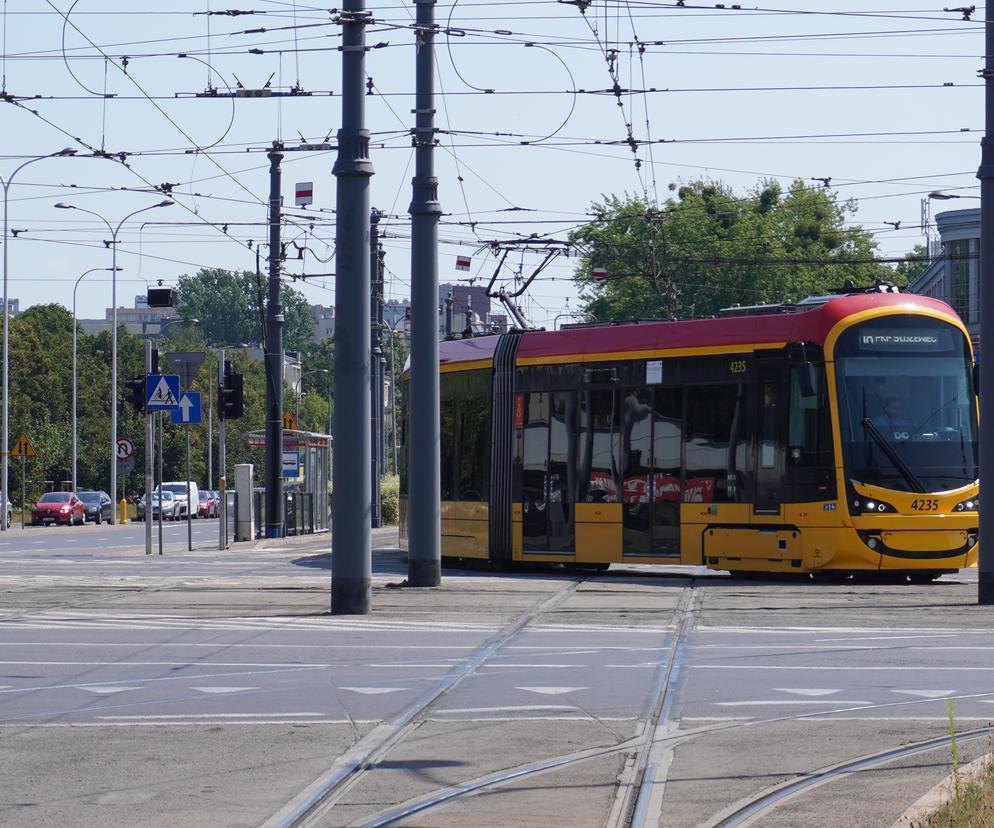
(182, 497)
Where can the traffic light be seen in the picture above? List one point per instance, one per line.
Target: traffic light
(135, 393)
(160, 297)
(231, 394)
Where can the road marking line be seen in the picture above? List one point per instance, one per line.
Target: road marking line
(223, 689)
(806, 691)
(552, 691)
(926, 694)
(104, 690)
(776, 702)
(507, 708)
(375, 691)
(165, 716)
(833, 669)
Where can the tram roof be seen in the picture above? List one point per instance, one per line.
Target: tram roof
(802, 324)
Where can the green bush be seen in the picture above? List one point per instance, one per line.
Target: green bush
(389, 499)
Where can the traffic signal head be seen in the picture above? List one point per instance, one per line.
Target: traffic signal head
(135, 393)
(160, 297)
(230, 394)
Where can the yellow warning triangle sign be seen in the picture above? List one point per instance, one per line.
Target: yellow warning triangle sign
(289, 421)
(23, 447)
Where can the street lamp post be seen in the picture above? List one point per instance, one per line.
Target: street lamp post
(113, 354)
(5, 183)
(74, 382)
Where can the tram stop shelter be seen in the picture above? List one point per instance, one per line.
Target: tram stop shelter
(306, 481)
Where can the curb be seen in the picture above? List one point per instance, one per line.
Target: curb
(918, 814)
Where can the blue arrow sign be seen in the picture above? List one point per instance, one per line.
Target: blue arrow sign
(189, 411)
(161, 392)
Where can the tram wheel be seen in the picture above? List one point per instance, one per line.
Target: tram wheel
(924, 577)
(587, 567)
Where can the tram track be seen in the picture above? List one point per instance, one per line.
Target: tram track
(640, 792)
(322, 794)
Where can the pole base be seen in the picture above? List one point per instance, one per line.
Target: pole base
(424, 573)
(350, 596)
(985, 587)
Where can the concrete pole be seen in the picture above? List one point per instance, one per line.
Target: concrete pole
(985, 574)
(424, 567)
(274, 358)
(210, 428)
(352, 562)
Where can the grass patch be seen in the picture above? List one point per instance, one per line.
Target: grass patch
(972, 806)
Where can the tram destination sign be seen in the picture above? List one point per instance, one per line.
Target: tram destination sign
(906, 339)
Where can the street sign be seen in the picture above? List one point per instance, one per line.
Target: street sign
(125, 448)
(186, 364)
(303, 193)
(289, 421)
(291, 463)
(23, 447)
(189, 411)
(161, 392)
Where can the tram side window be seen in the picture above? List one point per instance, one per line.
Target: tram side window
(713, 444)
(474, 449)
(448, 448)
(599, 441)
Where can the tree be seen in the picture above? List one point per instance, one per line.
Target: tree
(705, 249)
(229, 305)
(914, 265)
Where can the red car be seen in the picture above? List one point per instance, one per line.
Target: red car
(206, 505)
(58, 507)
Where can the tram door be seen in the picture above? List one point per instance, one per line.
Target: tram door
(653, 437)
(549, 472)
(771, 407)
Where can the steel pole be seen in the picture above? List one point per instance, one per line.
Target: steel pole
(352, 560)
(149, 459)
(985, 573)
(210, 426)
(222, 482)
(375, 335)
(5, 448)
(149, 506)
(113, 374)
(274, 358)
(424, 566)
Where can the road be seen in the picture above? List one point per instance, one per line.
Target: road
(213, 688)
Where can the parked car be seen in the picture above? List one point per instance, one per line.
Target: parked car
(97, 506)
(181, 496)
(58, 507)
(207, 508)
(172, 509)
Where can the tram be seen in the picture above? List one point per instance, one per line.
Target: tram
(830, 436)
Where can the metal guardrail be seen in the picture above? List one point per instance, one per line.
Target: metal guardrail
(299, 513)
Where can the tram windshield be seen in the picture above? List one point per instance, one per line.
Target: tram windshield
(907, 406)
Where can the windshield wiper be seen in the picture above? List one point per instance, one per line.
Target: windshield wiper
(893, 456)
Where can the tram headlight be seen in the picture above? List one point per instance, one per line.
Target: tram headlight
(874, 506)
(970, 505)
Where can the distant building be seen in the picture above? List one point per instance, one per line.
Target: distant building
(954, 272)
(324, 322)
(13, 306)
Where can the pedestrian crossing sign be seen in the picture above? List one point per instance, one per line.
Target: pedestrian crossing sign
(23, 447)
(161, 392)
(289, 421)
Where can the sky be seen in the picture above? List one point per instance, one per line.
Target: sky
(882, 102)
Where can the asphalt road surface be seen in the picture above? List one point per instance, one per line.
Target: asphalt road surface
(212, 688)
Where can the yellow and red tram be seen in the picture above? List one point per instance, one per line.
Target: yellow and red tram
(834, 435)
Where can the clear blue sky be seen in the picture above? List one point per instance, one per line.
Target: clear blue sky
(883, 100)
